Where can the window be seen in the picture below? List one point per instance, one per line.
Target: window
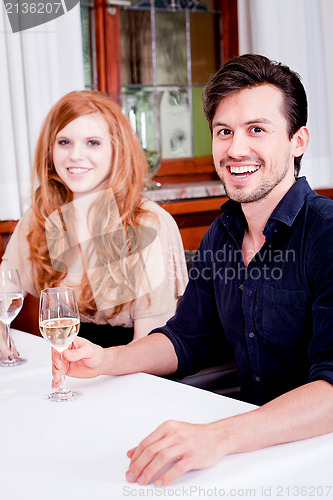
(89, 45)
(154, 57)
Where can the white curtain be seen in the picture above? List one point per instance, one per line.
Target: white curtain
(37, 67)
(299, 33)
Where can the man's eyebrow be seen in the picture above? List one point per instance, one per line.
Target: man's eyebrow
(259, 120)
(219, 124)
(249, 122)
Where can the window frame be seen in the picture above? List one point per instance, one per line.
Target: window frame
(108, 65)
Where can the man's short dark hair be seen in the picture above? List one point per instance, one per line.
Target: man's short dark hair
(252, 70)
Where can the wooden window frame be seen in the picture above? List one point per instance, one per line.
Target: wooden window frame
(108, 62)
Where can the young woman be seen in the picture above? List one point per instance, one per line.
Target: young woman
(91, 227)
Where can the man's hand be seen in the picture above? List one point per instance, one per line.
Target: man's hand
(82, 359)
(153, 354)
(182, 445)
(186, 447)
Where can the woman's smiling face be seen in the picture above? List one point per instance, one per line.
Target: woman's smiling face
(82, 154)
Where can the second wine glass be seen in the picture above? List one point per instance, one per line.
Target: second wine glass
(11, 302)
(59, 323)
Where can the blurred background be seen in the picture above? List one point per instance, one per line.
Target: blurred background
(154, 57)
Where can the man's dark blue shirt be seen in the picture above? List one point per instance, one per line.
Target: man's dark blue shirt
(277, 314)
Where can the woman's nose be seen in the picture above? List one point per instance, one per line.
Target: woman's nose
(77, 152)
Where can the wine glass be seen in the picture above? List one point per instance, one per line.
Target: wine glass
(59, 323)
(11, 302)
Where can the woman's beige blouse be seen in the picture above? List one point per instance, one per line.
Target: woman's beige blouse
(162, 261)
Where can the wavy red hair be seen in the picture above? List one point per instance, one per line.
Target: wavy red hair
(127, 178)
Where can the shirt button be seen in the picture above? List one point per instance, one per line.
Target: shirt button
(251, 335)
(258, 379)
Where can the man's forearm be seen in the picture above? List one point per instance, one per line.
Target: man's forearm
(299, 414)
(153, 354)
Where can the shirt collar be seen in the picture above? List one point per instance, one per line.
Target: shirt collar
(234, 220)
(289, 207)
(286, 211)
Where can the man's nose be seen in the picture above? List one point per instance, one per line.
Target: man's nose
(239, 146)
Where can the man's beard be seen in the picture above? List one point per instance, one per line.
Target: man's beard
(236, 192)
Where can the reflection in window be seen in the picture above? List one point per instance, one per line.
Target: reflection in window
(136, 43)
(142, 106)
(88, 45)
(168, 51)
(171, 48)
(175, 123)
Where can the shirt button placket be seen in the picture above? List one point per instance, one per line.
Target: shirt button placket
(248, 296)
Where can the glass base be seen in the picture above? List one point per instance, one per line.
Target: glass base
(16, 361)
(58, 396)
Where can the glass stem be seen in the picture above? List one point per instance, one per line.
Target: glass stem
(9, 340)
(62, 387)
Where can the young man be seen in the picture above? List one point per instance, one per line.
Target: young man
(263, 279)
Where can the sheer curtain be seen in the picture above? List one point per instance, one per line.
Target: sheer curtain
(37, 67)
(298, 33)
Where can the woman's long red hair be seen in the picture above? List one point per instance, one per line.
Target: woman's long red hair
(127, 178)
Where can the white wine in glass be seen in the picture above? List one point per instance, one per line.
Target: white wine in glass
(11, 302)
(59, 323)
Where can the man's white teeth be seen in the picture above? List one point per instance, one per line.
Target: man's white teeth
(244, 170)
(78, 170)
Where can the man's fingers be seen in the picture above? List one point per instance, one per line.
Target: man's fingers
(179, 468)
(156, 463)
(82, 360)
(78, 353)
(170, 451)
(56, 381)
(56, 360)
(130, 452)
(154, 453)
(154, 437)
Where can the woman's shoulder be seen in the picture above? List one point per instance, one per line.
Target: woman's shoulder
(23, 225)
(157, 213)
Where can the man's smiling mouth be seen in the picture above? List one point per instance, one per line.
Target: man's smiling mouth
(243, 171)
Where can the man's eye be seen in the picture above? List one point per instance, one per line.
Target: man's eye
(256, 130)
(225, 131)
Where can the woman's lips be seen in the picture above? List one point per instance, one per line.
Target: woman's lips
(77, 170)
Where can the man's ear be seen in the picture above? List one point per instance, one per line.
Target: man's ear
(301, 141)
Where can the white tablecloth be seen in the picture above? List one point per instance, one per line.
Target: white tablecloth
(77, 450)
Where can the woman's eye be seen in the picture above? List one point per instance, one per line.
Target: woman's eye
(63, 142)
(93, 142)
